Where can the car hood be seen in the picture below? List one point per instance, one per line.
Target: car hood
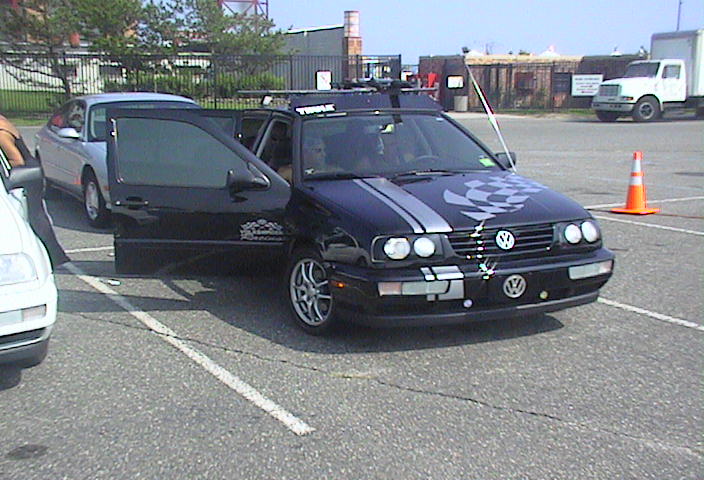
(631, 83)
(449, 202)
(11, 240)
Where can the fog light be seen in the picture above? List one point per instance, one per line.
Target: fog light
(34, 313)
(544, 295)
(590, 270)
(389, 288)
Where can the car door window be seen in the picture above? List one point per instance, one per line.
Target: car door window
(171, 153)
(671, 71)
(76, 115)
(276, 150)
(251, 126)
(58, 119)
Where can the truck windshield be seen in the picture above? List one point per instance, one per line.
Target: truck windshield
(388, 145)
(649, 69)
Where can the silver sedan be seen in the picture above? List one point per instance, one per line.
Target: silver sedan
(72, 150)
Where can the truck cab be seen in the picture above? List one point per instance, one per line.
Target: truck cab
(646, 89)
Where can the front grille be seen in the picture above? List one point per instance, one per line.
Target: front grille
(531, 241)
(609, 90)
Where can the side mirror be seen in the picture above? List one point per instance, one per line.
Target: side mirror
(241, 180)
(23, 177)
(68, 132)
(503, 159)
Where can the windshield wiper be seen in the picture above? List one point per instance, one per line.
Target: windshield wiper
(424, 172)
(337, 176)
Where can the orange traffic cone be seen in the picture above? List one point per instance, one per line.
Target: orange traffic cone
(635, 201)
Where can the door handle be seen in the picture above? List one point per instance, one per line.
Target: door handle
(132, 203)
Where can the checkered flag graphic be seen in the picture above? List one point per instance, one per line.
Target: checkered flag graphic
(487, 199)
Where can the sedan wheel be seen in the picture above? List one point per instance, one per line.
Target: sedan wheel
(93, 202)
(309, 292)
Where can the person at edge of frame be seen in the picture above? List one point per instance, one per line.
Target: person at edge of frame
(18, 156)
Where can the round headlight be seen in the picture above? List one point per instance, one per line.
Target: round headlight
(424, 247)
(573, 234)
(397, 248)
(590, 231)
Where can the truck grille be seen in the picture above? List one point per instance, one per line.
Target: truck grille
(609, 90)
(531, 241)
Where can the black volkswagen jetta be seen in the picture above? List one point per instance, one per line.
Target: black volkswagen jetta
(388, 211)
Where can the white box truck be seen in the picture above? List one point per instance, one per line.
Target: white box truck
(672, 78)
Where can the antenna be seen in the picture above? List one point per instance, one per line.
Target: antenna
(492, 118)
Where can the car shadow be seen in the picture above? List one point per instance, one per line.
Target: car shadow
(67, 212)
(252, 298)
(668, 117)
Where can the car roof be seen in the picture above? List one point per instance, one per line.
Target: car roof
(131, 97)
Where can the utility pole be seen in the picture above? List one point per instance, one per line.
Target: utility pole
(679, 11)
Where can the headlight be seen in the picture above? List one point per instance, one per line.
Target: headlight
(590, 231)
(424, 247)
(397, 248)
(16, 268)
(573, 234)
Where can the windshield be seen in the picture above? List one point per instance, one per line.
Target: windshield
(96, 126)
(387, 145)
(649, 69)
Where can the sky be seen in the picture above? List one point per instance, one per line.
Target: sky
(416, 28)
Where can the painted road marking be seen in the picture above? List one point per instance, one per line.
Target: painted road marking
(291, 422)
(655, 315)
(652, 202)
(650, 225)
(90, 249)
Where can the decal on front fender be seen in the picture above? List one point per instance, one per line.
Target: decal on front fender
(261, 229)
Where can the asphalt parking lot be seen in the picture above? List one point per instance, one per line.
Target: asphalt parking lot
(196, 371)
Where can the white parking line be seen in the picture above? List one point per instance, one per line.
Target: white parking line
(90, 249)
(651, 202)
(650, 225)
(655, 315)
(291, 422)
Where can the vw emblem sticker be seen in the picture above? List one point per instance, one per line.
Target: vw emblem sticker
(505, 240)
(514, 286)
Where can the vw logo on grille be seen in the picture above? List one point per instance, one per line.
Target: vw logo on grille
(505, 240)
(514, 286)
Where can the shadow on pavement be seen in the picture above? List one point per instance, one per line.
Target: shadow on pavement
(252, 298)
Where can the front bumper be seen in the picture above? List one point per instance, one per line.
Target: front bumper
(613, 107)
(473, 295)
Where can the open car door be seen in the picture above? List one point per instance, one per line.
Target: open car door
(179, 180)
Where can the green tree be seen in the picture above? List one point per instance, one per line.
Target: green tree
(42, 27)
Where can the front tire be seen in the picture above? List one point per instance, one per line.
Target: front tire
(646, 110)
(94, 207)
(607, 116)
(309, 293)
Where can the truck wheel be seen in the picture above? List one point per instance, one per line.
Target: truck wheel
(607, 116)
(93, 201)
(646, 110)
(309, 294)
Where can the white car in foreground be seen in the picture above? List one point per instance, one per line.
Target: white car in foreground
(28, 293)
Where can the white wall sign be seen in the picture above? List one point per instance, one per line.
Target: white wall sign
(323, 80)
(586, 85)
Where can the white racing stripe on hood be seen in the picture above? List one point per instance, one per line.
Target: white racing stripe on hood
(428, 218)
(392, 205)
